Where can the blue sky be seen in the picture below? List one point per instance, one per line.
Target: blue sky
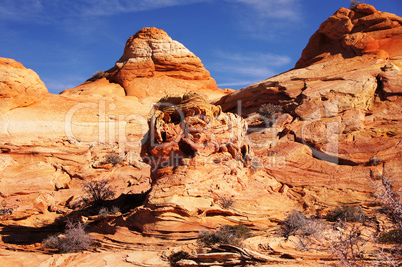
(239, 41)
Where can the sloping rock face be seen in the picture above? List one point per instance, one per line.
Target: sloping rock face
(349, 33)
(339, 116)
(154, 65)
(19, 87)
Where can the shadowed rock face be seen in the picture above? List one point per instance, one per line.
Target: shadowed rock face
(349, 33)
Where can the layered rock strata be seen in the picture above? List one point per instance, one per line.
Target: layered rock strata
(199, 160)
(339, 115)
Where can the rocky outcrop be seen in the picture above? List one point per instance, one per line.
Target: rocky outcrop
(98, 87)
(338, 114)
(349, 33)
(199, 164)
(19, 87)
(182, 128)
(154, 65)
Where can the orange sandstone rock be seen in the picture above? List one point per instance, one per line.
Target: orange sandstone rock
(19, 87)
(349, 33)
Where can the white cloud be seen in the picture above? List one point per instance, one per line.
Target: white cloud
(256, 58)
(236, 83)
(35, 9)
(250, 64)
(285, 9)
(242, 69)
(267, 19)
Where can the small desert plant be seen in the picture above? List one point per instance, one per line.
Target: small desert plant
(99, 191)
(297, 223)
(391, 237)
(227, 234)
(269, 110)
(347, 245)
(226, 202)
(104, 212)
(347, 214)
(374, 161)
(98, 75)
(75, 239)
(354, 3)
(389, 199)
(113, 159)
(175, 257)
(51, 242)
(256, 165)
(6, 211)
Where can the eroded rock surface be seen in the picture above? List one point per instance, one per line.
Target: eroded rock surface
(154, 65)
(338, 113)
(355, 32)
(19, 87)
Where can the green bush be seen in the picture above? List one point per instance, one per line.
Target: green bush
(347, 214)
(227, 234)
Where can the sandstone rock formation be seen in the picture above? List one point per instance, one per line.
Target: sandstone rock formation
(154, 65)
(201, 165)
(334, 118)
(349, 33)
(19, 87)
(198, 159)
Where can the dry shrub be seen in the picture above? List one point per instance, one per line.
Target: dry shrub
(226, 202)
(98, 75)
(347, 244)
(354, 3)
(75, 239)
(175, 257)
(296, 223)
(104, 212)
(99, 191)
(113, 158)
(269, 111)
(347, 214)
(389, 199)
(227, 234)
